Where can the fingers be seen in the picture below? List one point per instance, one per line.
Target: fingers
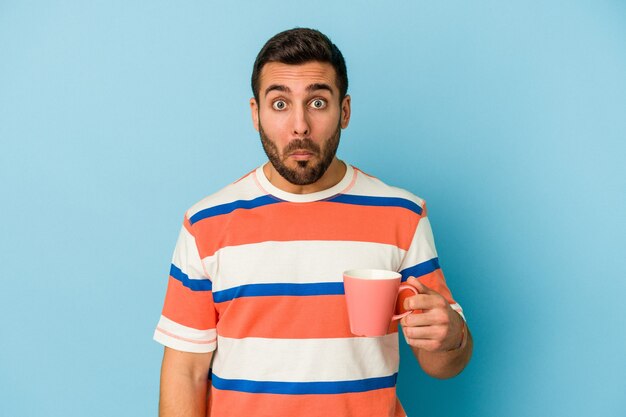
(431, 345)
(439, 333)
(427, 299)
(424, 302)
(433, 330)
(427, 318)
(422, 332)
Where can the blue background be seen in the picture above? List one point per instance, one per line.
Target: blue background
(508, 117)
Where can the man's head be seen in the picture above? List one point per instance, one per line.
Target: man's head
(300, 105)
(299, 46)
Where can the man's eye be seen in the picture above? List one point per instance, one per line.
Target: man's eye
(318, 103)
(279, 105)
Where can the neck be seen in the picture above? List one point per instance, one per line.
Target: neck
(333, 175)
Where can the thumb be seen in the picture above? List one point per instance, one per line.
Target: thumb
(421, 288)
(405, 295)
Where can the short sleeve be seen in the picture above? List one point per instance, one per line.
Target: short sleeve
(188, 319)
(422, 262)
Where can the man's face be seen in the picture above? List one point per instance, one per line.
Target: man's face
(299, 118)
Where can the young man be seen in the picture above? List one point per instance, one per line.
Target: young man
(255, 288)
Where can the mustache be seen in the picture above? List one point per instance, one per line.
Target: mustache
(304, 144)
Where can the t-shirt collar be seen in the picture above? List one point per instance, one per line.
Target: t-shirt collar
(339, 188)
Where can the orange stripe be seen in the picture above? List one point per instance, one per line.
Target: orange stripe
(433, 280)
(187, 225)
(286, 317)
(381, 402)
(399, 409)
(307, 221)
(436, 281)
(190, 308)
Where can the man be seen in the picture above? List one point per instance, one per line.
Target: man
(255, 288)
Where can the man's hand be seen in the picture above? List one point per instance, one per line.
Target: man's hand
(438, 327)
(438, 336)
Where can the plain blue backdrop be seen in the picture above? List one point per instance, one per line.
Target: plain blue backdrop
(508, 117)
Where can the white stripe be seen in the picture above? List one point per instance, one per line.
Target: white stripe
(371, 186)
(336, 189)
(456, 307)
(186, 256)
(187, 339)
(306, 360)
(245, 189)
(182, 345)
(296, 262)
(422, 247)
(188, 332)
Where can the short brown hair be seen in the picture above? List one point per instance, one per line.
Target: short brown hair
(299, 46)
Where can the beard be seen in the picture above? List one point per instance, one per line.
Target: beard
(306, 172)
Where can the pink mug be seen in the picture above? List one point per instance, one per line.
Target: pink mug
(371, 296)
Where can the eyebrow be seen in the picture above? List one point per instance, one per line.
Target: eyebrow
(319, 86)
(277, 87)
(310, 88)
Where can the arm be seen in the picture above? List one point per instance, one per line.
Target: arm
(439, 337)
(184, 384)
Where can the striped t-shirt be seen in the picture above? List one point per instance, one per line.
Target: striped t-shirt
(256, 277)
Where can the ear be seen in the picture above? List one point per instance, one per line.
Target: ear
(254, 108)
(345, 111)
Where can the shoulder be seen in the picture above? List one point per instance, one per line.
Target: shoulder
(244, 189)
(368, 185)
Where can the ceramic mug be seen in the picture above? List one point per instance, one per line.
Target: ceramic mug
(371, 296)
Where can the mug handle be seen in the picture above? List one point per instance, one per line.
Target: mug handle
(406, 313)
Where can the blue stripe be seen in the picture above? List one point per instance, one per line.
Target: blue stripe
(363, 200)
(230, 207)
(193, 284)
(420, 269)
(260, 290)
(301, 388)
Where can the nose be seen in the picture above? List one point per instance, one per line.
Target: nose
(301, 126)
